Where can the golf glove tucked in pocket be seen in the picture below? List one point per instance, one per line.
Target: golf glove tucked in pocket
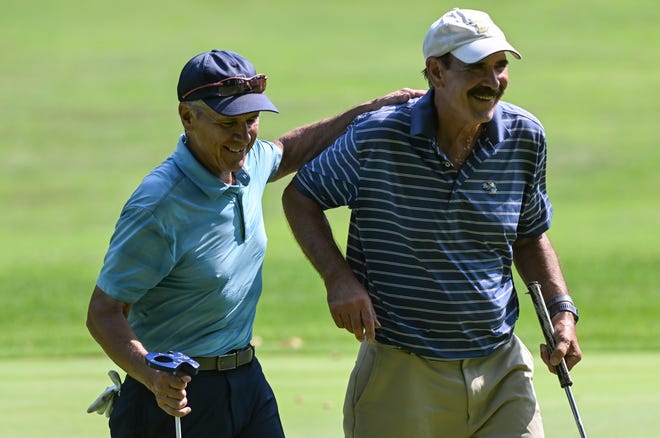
(103, 403)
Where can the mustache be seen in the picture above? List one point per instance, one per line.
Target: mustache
(487, 91)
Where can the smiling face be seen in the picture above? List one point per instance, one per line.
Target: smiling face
(220, 143)
(468, 93)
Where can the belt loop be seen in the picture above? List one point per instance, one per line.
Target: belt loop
(227, 362)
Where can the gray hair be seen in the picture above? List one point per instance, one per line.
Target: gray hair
(196, 106)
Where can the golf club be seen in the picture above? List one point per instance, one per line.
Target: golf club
(173, 362)
(534, 289)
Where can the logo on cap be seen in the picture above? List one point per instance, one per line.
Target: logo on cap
(480, 24)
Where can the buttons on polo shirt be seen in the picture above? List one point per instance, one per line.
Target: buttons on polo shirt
(446, 163)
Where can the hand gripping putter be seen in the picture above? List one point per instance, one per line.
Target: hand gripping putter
(534, 289)
(173, 362)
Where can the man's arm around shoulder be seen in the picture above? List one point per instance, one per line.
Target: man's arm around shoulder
(304, 143)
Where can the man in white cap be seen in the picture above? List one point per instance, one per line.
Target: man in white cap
(447, 193)
(183, 269)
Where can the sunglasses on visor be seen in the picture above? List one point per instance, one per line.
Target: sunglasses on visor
(232, 87)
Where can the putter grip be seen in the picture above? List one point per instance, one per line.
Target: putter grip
(534, 289)
(172, 362)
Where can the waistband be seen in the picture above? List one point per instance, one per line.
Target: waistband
(228, 361)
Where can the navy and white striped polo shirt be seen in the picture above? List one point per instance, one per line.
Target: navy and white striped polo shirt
(433, 246)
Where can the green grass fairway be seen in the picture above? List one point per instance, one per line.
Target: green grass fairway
(618, 395)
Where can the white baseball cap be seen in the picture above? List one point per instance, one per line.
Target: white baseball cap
(469, 35)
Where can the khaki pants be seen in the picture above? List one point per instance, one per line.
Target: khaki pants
(395, 394)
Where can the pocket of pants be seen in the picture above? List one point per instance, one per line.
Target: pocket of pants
(363, 373)
(525, 354)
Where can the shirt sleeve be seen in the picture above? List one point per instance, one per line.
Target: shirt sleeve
(332, 178)
(536, 216)
(269, 156)
(139, 256)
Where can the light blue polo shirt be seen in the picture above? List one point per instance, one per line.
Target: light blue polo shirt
(430, 243)
(187, 253)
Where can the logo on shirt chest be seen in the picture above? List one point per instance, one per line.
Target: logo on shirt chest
(489, 187)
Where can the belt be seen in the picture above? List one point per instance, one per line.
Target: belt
(229, 361)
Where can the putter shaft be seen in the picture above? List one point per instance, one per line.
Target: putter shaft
(576, 413)
(177, 426)
(534, 289)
